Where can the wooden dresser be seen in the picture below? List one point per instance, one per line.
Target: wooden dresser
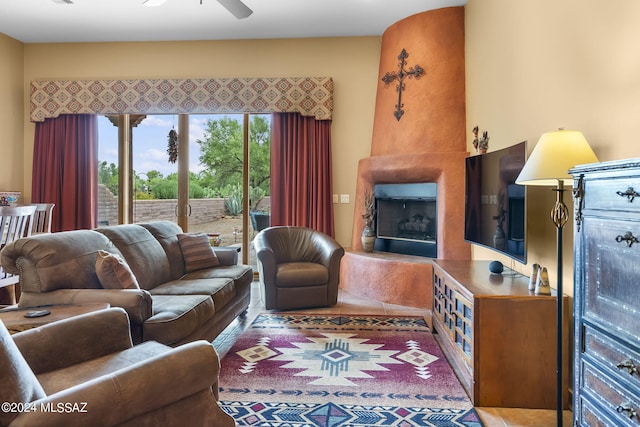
(607, 294)
(499, 337)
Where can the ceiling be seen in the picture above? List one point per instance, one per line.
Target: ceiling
(45, 21)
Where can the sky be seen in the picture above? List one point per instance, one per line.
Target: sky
(150, 140)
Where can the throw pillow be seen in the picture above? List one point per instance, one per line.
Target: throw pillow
(197, 251)
(114, 273)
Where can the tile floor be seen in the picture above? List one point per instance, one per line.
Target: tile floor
(350, 304)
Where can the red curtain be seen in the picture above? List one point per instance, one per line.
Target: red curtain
(301, 184)
(65, 162)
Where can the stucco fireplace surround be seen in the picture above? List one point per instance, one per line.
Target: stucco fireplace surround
(427, 144)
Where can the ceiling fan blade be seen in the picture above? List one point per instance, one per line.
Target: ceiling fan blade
(62, 1)
(237, 8)
(153, 3)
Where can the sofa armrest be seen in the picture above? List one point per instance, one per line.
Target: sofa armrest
(226, 256)
(136, 302)
(71, 341)
(130, 392)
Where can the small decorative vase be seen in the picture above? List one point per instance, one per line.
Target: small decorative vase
(533, 280)
(542, 285)
(499, 238)
(368, 238)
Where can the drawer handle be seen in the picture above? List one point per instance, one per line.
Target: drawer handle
(626, 409)
(629, 366)
(628, 237)
(630, 194)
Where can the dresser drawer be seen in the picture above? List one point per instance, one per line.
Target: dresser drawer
(621, 406)
(613, 355)
(588, 416)
(611, 275)
(616, 194)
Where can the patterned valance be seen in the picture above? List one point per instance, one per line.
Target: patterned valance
(309, 96)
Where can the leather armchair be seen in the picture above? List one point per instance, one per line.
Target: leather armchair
(85, 371)
(299, 267)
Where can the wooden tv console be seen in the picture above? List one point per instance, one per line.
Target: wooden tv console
(499, 337)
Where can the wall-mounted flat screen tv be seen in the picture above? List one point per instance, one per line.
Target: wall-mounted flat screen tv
(495, 210)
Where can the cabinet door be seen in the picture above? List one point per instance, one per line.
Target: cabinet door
(612, 271)
(443, 291)
(438, 295)
(463, 326)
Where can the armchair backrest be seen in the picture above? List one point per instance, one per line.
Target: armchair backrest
(297, 244)
(260, 220)
(19, 383)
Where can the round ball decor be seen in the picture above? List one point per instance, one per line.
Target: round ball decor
(496, 267)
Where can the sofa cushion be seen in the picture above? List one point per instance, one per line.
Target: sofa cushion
(177, 316)
(197, 252)
(242, 276)
(166, 232)
(144, 254)
(221, 290)
(240, 272)
(301, 274)
(17, 380)
(114, 272)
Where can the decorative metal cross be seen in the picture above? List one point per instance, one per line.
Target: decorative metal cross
(416, 72)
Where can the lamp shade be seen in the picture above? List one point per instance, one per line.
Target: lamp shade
(553, 156)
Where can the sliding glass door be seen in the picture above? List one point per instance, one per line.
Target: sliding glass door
(191, 169)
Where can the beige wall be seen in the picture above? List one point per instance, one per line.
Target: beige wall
(11, 109)
(352, 62)
(536, 65)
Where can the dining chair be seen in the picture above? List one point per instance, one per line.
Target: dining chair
(14, 224)
(42, 218)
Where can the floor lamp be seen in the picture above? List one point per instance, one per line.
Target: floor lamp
(548, 165)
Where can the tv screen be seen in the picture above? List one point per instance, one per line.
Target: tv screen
(495, 210)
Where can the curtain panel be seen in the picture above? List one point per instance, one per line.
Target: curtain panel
(301, 178)
(65, 161)
(309, 96)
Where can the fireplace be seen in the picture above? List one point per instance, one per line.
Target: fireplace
(427, 145)
(407, 218)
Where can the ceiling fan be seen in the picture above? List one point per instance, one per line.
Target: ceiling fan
(236, 7)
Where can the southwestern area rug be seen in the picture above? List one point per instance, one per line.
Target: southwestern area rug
(341, 371)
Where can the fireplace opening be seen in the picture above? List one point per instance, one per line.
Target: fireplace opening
(406, 218)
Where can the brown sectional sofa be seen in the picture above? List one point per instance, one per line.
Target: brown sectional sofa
(170, 307)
